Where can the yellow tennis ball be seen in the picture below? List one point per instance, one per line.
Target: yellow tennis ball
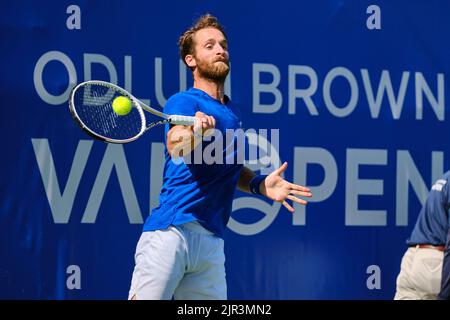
(121, 105)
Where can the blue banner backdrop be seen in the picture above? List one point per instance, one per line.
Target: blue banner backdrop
(356, 89)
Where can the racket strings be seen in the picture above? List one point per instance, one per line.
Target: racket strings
(94, 108)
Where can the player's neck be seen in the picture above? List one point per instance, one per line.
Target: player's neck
(212, 88)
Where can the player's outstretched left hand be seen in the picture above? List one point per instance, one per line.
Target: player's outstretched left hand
(276, 188)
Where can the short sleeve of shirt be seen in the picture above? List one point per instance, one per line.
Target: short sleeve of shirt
(436, 201)
(181, 104)
(446, 205)
(443, 201)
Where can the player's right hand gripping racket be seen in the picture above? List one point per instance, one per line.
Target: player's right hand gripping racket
(90, 104)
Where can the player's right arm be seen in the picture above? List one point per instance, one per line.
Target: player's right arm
(181, 140)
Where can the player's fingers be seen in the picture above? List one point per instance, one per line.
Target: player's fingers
(198, 125)
(200, 115)
(299, 187)
(301, 193)
(281, 169)
(206, 125)
(210, 121)
(213, 122)
(288, 206)
(295, 199)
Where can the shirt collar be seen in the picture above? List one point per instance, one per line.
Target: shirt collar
(203, 93)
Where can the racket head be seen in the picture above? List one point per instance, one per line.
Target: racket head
(90, 104)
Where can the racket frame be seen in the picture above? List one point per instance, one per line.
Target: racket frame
(139, 105)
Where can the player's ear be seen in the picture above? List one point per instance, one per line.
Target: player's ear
(190, 61)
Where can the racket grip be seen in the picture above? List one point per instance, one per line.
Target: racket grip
(182, 120)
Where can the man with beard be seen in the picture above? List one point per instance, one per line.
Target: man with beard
(180, 253)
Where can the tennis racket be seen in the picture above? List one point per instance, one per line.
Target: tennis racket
(90, 104)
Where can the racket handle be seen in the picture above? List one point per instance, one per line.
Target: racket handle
(182, 120)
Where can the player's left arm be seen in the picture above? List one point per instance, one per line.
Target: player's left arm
(273, 186)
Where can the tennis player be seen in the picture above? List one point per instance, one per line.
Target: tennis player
(180, 253)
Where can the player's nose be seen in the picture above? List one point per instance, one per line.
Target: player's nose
(220, 50)
(222, 55)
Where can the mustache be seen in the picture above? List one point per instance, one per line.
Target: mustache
(222, 59)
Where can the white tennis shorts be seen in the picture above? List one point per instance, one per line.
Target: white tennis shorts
(420, 274)
(186, 262)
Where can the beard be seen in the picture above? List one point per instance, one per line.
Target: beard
(216, 71)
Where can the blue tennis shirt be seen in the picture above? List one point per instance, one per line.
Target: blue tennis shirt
(199, 191)
(433, 221)
(433, 227)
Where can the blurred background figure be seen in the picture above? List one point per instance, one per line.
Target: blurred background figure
(421, 267)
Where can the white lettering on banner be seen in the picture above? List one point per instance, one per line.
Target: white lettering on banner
(313, 156)
(39, 70)
(295, 94)
(407, 173)
(437, 105)
(128, 83)
(90, 59)
(271, 88)
(158, 82)
(61, 204)
(355, 187)
(304, 94)
(128, 79)
(114, 157)
(183, 80)
(385, 85)
(348, 75)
